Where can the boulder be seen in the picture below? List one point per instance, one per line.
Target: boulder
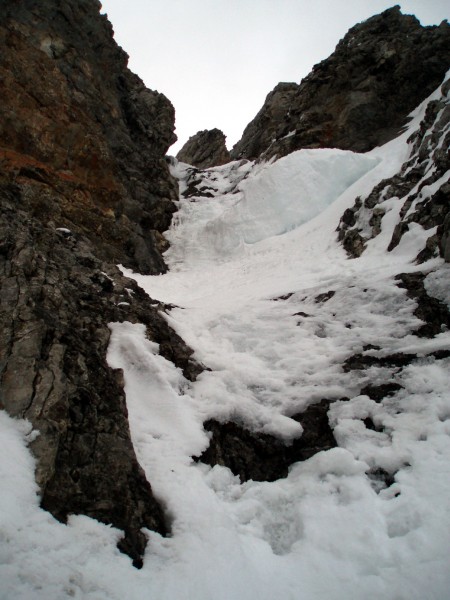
(205, 149)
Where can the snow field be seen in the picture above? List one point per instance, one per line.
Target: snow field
(268, 361)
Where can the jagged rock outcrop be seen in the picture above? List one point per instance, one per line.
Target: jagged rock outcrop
(83, 185)
(360, 96)
(81, 134)
(205, 149)
(422, 187)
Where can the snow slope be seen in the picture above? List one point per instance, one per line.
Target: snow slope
(272, 199)
(247, 266)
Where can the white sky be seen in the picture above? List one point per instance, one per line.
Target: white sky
(216, 60)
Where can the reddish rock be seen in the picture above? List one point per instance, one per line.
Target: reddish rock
(81, 134)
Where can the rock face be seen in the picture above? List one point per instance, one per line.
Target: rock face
(83, 185)
(422, 191)
(56, 300)
(81, 132)
(360, 96)
(205, 149)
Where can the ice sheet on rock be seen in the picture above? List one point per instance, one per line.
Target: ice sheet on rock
(293, 190)
(272, 199)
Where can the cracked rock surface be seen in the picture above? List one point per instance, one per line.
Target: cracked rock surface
(56, 300)
(84, 185)
(82, 133)
(359, 97)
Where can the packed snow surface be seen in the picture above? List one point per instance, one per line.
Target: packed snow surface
(273, 199)
(247, 265)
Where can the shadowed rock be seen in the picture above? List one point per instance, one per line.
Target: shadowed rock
(83, 181)
(360, 96)
(263, 457)
(205, 149)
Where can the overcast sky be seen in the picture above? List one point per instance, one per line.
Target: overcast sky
(216, 60)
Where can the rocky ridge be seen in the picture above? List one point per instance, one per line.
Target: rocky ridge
(360, 96)
(422, 188)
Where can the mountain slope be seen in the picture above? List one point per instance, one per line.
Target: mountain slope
(298, 447)
(283, 324)
(360, 96)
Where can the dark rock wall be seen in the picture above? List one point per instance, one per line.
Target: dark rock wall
(76, 120)
(205, 149)
(56, 300)
(360, 96)
(84, 185)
